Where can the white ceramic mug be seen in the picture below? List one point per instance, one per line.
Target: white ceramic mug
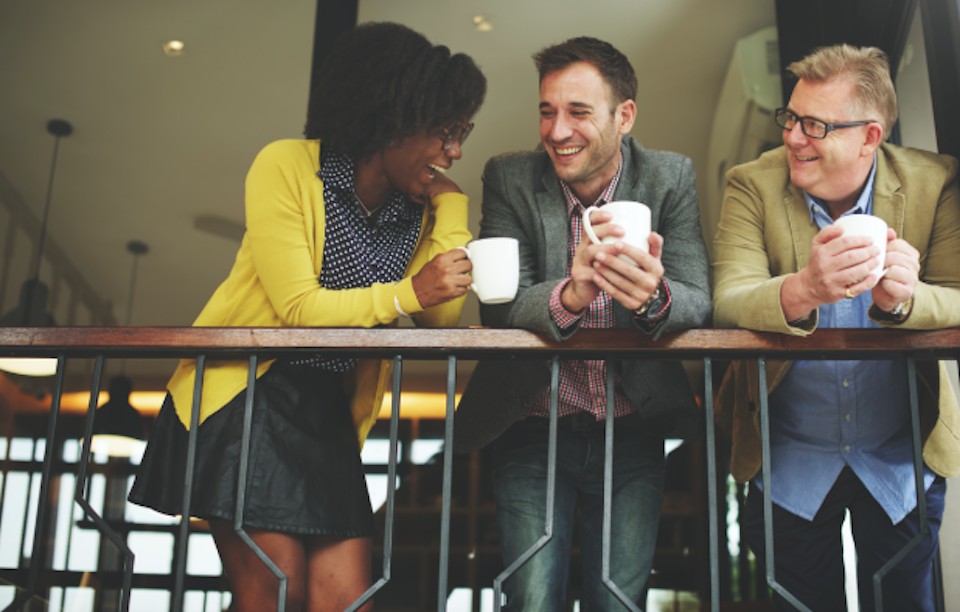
(496, 268)
(874, 228)
(633, 217)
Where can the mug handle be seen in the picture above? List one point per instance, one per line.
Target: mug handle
(467, 251)
(588, 227)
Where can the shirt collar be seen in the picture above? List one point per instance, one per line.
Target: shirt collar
(605, 196)
(864, 206)
(337, 174)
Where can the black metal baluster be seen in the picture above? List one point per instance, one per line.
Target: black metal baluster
(242, 487)
(608, 494)
(711, 484)
(767, 499)
(184, 531)
(551, 489)
(391, 488)
(81, 493)
(39, 526)
(447, 484)
(921, 492)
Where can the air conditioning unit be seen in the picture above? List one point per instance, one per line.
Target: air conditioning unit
(743, 125)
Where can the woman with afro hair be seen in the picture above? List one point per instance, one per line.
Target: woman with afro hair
(354, 226)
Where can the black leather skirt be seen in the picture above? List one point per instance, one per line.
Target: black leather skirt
(304, 473)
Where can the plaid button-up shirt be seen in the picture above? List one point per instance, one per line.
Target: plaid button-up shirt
(583, 383)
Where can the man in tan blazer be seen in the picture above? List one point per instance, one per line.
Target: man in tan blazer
(840, 430)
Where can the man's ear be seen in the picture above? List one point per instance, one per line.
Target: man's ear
(873, 138)
(626, 114)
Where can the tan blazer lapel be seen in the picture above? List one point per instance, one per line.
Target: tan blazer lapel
(889, 203)
(798, 216)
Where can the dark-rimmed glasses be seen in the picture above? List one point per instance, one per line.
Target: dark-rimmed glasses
(456, 134)
(812, 128)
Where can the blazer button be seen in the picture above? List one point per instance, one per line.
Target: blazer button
(524, 402)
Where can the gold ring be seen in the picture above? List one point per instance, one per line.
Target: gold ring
(850, 295)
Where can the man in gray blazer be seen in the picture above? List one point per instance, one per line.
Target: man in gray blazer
(587, 91)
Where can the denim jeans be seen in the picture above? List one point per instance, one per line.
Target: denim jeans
(520, 484)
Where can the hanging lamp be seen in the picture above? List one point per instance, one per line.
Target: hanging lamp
(31, 310)
(118, 429)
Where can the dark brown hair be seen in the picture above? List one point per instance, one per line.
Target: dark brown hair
(614, 66)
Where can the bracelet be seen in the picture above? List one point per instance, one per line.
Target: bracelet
(396, 304)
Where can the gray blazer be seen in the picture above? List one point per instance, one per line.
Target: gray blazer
(522, 198)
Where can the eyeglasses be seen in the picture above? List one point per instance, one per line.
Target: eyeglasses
(456, 134)
(813, 128)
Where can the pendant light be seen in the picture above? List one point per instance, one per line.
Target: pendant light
(118, 429)
(31, 310)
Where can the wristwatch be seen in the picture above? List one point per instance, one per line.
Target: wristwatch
(650, 302)
(899, 311)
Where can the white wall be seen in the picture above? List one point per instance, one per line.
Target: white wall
(917, 130)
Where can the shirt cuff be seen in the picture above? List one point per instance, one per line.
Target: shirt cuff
(563, 318)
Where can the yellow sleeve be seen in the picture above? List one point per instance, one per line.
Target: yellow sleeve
(284, 207)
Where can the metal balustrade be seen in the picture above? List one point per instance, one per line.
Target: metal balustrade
(452, 345)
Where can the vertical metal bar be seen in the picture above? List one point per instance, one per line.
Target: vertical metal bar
(608, 494)
(80, 490)
(391, 489)
(183, 534)
(447, 484)
(711, 484)
(767, 498)
(939, 603)
(6, 471)
(242, 486)
(39, 526)
(921, 492)
(551, 489)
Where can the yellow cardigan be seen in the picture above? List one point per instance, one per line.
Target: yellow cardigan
(274, 281)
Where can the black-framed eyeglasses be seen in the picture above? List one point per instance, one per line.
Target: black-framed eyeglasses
(813, 128)
(456, 134)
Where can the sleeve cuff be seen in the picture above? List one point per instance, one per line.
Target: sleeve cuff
(405, 300)
(563, 318)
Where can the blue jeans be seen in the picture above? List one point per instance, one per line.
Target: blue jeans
(520, 484)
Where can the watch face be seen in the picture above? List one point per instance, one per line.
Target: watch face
(650, 302)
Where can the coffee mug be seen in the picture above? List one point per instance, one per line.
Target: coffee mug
(633, 217)
(874, 228)
(496, 268)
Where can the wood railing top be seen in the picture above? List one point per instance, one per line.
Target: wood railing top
(472, 343)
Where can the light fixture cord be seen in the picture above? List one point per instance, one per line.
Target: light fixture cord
(133, 285)
(46, 211)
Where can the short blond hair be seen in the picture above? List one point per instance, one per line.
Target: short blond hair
(866, 68)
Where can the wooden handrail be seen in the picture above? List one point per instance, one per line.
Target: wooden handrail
(474, 343)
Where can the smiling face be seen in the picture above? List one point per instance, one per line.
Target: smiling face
(412, 167)
(580, 133)
(835, 168)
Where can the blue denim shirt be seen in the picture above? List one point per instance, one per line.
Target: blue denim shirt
(827, 414)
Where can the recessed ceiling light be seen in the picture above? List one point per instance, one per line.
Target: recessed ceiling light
(482, 24)
(173, 47)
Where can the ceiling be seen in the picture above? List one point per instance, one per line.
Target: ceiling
(159, 141)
